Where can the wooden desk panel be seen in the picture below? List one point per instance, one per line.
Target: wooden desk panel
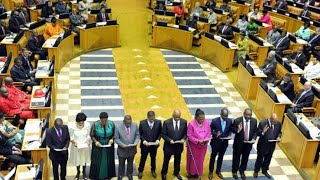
(218, 55)
(34, 14)
(172, 38)
(297, 147)
(262, 52)
(100, 37)
(243, 8)
(263, 32)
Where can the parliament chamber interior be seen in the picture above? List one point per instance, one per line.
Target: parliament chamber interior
(102, 83)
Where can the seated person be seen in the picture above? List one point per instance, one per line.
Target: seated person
(225, 7)
(283, 43)
(61, 7)
(210, 4)
(10, 105)
(2, 8)
(310, 3)
(26, 62)
(29, 3)
(192, 22)
(35, 43)
(252, 27)
(242, 48)
(3, 29)
(160, 6)
(179, 11)
(52, 29)
(273, 35)
(212, 18)
(12, 133)
(312, 70)
(84, 6)
(19, 74)
(313, 41)
(225, 31)
(24, 16)
(286, 86)
(299, 58)
(15, 22)
(47, 11)
(102, 16)
(303, 99)
(103, 3)
(281, 4)
(75, 20)
(242, 22)
(269, 67)
(305, 12)
(254, 14)
(16, 92)
(304, 31)
(197, 10)
(266, 19)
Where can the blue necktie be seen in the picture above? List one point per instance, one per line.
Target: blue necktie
(223, 125)
(314, 37)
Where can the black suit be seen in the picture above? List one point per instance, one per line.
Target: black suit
(303, 101)
(283, 43)
(14, 24)
(265, 148)
(192, 23)
(100, 19)
(149, 135)
(287, 88)
(301, 59)
(219, 146)
(169, 149)
(21, 75)
(58, 157)
(313, 41)
(34, 44)
(240, 148)
(226, 32)
(26, 63)
(210, 5)
(305, 13)
(283, 5)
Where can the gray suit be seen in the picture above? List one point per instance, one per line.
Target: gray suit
(273, 36)
(126, 153)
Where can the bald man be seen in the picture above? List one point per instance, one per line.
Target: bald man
(268, 131)
(269, 67)
(304, 98)
(35, 43)
(16, 92)
(174, 129)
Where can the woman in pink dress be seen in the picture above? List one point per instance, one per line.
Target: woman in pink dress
(266, 19)
(199, 134)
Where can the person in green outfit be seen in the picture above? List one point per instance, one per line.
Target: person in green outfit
(14, 134)
(242, 48)
(252, 27)
(102, 157)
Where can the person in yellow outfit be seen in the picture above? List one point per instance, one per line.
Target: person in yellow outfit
(52, 29)
(242, 48)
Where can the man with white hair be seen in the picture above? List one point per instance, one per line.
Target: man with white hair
(304, 98)
(197, 10)
(312, 70)
(269, 67)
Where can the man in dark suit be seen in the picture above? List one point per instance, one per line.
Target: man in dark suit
(304, 98)
(221, 131)
(305, 12)
(281, 4)
(225, 31)
(286, 86)
(58, 141)
(192, 22)
(174, 129)
(210, 4)
(245, 129)
(15, 22)
(268, 129)
(26, 62)
(127, 137)
(313, 41)
(3, 28)
(269, 67)
(150, 132)
(35, 43)
(24, 16)
(283, 43)
(102, 16)
(299, 58)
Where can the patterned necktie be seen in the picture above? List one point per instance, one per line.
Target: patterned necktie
(59, 133)
(128, 133)
(246, 130)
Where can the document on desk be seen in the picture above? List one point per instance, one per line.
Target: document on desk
(295, 68)
(101, 23)
(282, 98)
(27, 175)
(10, 174)
(32, 127)
(32, 145)
(258, 72)
(301, 41)
(50, 42)
(31, 138)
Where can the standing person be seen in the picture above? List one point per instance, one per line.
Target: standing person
(102, 158)
(174, 130)
(58, 141)
(245, 129)
(221, 131)
(150, 132)
(80, 138)
(199, 134)
(127, 137)
(268, 129)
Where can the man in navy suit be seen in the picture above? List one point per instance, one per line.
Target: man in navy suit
(102, 16)
(221, 131)
(283, 43)
(268, 129)
(35, 43)
(304, 98)
(281, 4)
(26, 62)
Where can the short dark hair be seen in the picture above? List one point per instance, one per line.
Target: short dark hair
(53, 20)
(307, 23)
(199, 112)
(16, 60)
(264, 11)
(81, 117)
(150, 114)
(103, 115)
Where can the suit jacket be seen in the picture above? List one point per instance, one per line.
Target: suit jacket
(5, 147)
(99, 17)
(192, 23)
(316, 41)
(273, 36)
(282, 44)
(53, 142)
(270, 70)
(61, 8)
(14, 24)
(305, 100)
(168, 134)
(301, 61)
(210, 6)
(47, 11)
(19, 74)
(286, 88)
(264, 146)
(227, 33)
(21, 14)
(239, 137)
(5, 32)
(305, 13)
(121, 139)
(216, 126)
(27, 66)
(149, 135)
(283, 6)
(35, 45)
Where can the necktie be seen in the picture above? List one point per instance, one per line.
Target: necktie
(304, 13)
(223, 29)
(176, 129)
(24, 18)
(272, 128)
(17, 21)
(36, 39)
(4, 32)
(298, 55)
(246, 130)
(279, 42)
(28, 63)
(59, 133)
(223, 125)
(279, 5)
(151, 125)
(128, 133)
(103, 18)
(304, 92)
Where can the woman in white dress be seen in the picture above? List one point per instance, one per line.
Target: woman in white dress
(80, 139)
(84, 6)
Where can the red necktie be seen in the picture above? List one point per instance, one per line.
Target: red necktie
(36, 39)
(103, 18)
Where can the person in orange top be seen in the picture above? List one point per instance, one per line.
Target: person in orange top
(52, 29)
(13, 90)
(179, 10)
(10, 105)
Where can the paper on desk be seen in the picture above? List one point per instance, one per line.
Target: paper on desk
(32, 145)
(27, 175)
(108, 145)
(295, 68)
(31, 138)
(82, 146)
(274, 140)
(101, 23)
(10, 174)
(32, 127)
(301, 41)
(50, 42)
(63, 149)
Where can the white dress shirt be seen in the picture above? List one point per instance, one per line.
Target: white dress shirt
(312, 71)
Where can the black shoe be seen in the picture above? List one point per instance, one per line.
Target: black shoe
(210, 176)
(77, 176)
(154, 174)
(119, 177)
(267, 175)
(84, 175)
(178, 176)
(130, 177)
(255, 174)
(243, 176)
(219, 175)
(163, 177)
(140, 175)
(235, 175)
